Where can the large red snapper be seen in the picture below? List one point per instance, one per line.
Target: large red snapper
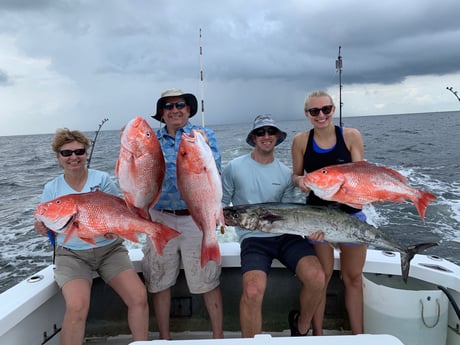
(140, 167)
(359, 183)
(199, 184)
(94, 214)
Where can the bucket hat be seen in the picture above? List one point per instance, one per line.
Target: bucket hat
(190, 99)
(265, 121)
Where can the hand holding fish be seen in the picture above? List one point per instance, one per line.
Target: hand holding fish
(298, 181)
(40, 228)
(317, 236)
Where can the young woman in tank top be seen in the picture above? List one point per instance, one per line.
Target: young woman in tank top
(326, 144)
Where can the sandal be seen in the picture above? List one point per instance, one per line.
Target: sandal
(293, 319)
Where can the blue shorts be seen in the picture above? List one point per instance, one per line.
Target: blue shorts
(361, 216)
(257, 253)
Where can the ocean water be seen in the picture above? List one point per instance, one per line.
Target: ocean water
(423, 147)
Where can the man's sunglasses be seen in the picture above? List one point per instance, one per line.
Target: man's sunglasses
(170, 105)
(260, 132)
(326, 110)
(68, 153)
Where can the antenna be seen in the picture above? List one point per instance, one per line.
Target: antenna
(454, 92)
(201, 82)
(338, 66)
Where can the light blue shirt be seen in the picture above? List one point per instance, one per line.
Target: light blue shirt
(170, 197)
(58, 187)
(245, 181)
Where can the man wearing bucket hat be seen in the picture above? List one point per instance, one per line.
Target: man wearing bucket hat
(239, 180)
(174, 108)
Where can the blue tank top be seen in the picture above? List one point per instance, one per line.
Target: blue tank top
(316, 158)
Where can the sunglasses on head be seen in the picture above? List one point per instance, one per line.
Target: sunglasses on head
(260, 132)
(68, 153)
(170, 105)
(326, 110)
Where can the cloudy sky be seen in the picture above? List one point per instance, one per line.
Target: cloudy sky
(71, 63)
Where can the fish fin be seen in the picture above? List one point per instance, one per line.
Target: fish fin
(210, 253)
(394, 173)
(421, 203)
(161, 236)
(131, 237)
(409, 254)
(88, 240)
(71, 232)
(138, 211)
(270, 216)
(117, 167)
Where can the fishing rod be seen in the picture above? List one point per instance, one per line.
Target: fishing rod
(454, 92)
(201, 82)
(338, 66)
(93, 142)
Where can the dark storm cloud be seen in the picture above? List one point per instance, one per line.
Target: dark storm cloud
(116, 56)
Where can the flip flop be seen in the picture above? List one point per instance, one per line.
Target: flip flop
(293, 319)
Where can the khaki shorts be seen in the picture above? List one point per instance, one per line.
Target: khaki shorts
(161, 272)
(108, 261)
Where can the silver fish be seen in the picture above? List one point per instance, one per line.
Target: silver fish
(303, 220)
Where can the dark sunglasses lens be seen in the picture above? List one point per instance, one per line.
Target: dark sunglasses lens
(168, 106)
(80, 152)
(326, 109)
(314, 111)
(66, 153)
(180, 105)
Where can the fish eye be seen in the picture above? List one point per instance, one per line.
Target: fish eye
(148, 134)
(236, 215)
(58, 202)
(324, 171)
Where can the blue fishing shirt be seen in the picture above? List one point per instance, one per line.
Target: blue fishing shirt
(170, 197)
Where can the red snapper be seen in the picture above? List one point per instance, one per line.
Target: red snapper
(199, 184)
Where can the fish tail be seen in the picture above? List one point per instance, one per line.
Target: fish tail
(161, 236)
(421, 203)
(409, 254)
(210, 253)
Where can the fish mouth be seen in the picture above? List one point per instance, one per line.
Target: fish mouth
(190, 137)
(55, 226)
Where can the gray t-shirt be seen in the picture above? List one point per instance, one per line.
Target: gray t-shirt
(244, 181)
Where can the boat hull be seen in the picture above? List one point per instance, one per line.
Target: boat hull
(36, 304)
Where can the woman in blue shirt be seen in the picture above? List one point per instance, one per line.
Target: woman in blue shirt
(76, 260)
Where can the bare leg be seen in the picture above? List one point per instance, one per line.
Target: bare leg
(310, 273)
(254, 285)
(214, 305)
(325, 254)
(352, 260)
(132, 291)
(77, 294)
(162, 307)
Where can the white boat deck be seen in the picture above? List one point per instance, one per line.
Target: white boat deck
(195, 338)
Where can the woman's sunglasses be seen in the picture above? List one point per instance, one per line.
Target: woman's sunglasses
(68, 153)
(326, 110)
